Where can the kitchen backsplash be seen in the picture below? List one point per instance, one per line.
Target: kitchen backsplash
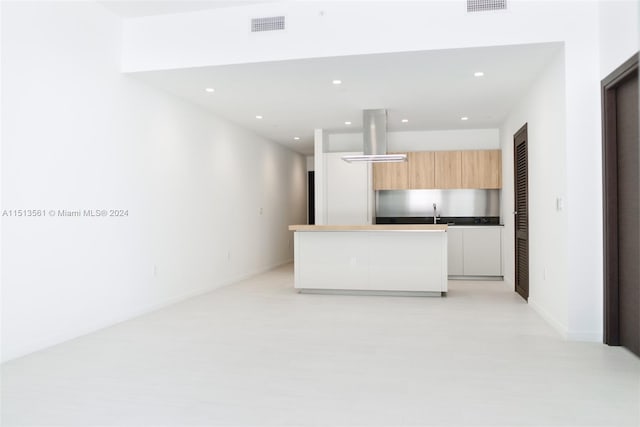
(449, 203)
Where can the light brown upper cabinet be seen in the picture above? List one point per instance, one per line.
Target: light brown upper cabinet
(482, 169)
(448, 169)
(421, 169)
(441, 170)
(390, 176)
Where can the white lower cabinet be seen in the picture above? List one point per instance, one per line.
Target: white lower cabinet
(475, 251)
(483, 251)
(455, 251)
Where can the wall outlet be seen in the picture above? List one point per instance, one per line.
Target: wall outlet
(154, 270)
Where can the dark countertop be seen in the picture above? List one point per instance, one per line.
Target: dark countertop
(451, 221)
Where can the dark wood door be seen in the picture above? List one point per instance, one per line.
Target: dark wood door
(621, 207)
(521, 211)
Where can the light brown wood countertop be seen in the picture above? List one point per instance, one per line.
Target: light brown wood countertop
(376, 227)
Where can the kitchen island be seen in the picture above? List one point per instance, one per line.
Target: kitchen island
(407, 259)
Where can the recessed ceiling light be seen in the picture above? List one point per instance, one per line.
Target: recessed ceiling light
(405, 120)
(478, 74)
(347, 123)
(464, 118)
(258, 117)
(210, 90)
(336, 82)
(297, 138)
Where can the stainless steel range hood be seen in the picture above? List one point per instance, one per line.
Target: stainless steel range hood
(374, 129)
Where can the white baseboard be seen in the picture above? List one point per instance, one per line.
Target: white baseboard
(585, 336)
(562, 329)
(50, 342)
(246, 276)
(508, 282)
(556, 324)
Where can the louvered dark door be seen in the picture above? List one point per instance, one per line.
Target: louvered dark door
(521, 198)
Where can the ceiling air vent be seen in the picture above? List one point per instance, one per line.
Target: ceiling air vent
(271, 23)
(485, 5)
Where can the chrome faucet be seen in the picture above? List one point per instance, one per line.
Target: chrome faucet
(435, 218)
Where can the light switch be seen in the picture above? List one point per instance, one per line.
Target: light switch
(559, 204)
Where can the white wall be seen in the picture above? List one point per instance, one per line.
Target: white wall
(208, 202)
(437, 140)
(335, 28)
(543, 109)
(348, 191)
(618, 33)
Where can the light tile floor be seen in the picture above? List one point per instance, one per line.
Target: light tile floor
(258, 353)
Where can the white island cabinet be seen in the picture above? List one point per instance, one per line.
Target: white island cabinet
(372, 259)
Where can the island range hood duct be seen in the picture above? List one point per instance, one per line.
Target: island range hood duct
(374, 129)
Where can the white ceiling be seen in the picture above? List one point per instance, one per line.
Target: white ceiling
(432, 89)
(139, 8)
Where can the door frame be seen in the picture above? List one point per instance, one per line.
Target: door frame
(524, 130)
(610, 199)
